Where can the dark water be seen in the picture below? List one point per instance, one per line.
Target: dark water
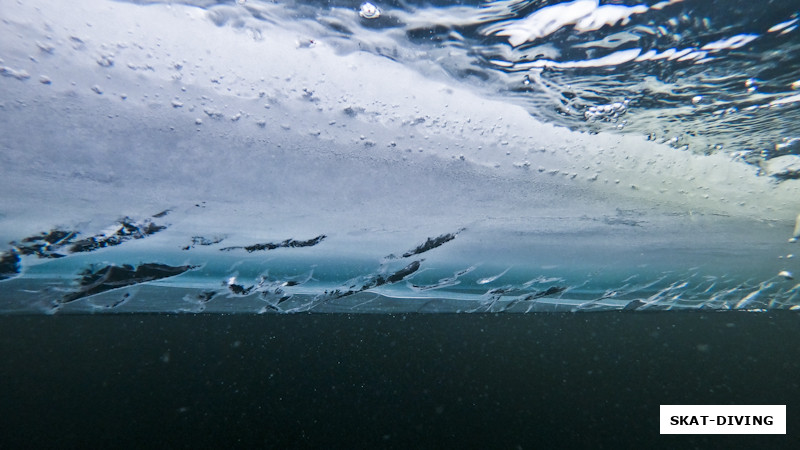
(382, 381)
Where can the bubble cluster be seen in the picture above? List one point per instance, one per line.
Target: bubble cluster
(607, 113)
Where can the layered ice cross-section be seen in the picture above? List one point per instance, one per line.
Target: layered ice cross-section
(159, 159)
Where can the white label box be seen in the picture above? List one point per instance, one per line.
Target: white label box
(723, 419)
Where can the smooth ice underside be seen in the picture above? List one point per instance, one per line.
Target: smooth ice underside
(165, 158)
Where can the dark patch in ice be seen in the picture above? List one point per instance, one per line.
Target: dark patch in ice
(238, 289)
(491, 300)
(200, 240)
(352, 112)
(624, 217)
(9, 264)
(432, 243)
(57, 242)
(787, 175)
(377, 280)
(206, 296)
(337, 27)
(338, 293)
(444, 282)
(447, 282)
(128, 230)
(288, 243)
(114, 277)
(404, 272)
(162, 214)
(633, 305)
(552, 290)
(122, 300)
(44, 245)
(621, 221)
(275, 297)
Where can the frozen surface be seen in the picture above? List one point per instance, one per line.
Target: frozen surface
(169, 157)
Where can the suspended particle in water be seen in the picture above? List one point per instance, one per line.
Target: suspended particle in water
(369, 11)
(786, 274)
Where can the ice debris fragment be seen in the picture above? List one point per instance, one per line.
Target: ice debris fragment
(432, 243)
(114, 277)
(288, 243)
(126, 230)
